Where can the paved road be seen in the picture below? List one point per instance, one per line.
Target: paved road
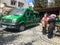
(31, 36)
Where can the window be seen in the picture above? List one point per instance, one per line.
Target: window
(36, 15)
(20, 4)
(17, 11)
(27, 14)
(13, 2)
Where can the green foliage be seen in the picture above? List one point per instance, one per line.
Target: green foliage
(43, 4)
(39, 3)
(57, 2)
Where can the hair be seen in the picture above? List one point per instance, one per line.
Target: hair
(46, 14)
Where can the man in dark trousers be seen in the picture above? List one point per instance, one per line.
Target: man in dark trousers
(51, 27)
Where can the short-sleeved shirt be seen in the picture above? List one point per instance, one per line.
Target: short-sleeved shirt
(45, 19)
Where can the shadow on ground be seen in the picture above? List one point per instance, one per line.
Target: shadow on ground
(57, 35)
(17, 31)
(9, 39)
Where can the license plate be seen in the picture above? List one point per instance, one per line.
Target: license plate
(4, 26)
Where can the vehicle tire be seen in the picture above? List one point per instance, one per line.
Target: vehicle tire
(21, 27)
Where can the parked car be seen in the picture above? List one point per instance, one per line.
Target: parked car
(20, 19)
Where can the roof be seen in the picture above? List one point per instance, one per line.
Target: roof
(47, 9)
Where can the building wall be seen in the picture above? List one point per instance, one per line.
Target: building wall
(0, 1)
(26, 4)
(8, 3)
(51, 3)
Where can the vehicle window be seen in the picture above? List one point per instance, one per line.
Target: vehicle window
(17, 11)
(35, 14)
(27, 13)
(31, 13)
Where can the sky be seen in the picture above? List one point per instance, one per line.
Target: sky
(30, 2)
(50, 0)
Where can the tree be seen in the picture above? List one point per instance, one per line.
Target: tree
(57, 2)
(39, 3)
(44, 3)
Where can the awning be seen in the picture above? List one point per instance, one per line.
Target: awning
(47, 9)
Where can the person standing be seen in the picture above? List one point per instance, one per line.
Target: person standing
(44, 23)
(51, 27)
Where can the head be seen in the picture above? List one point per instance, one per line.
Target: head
(45, 15)
(53, 15)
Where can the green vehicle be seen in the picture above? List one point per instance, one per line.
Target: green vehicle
(58, 20)
(58, 23)
(20, 18)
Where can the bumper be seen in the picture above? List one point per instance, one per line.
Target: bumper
(10, 26)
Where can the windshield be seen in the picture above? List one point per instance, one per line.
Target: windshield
(17, 11)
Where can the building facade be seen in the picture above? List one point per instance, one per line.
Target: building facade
(15, 3)
(51, 3)
(45, 3)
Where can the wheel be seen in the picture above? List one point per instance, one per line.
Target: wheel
(21, 27)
